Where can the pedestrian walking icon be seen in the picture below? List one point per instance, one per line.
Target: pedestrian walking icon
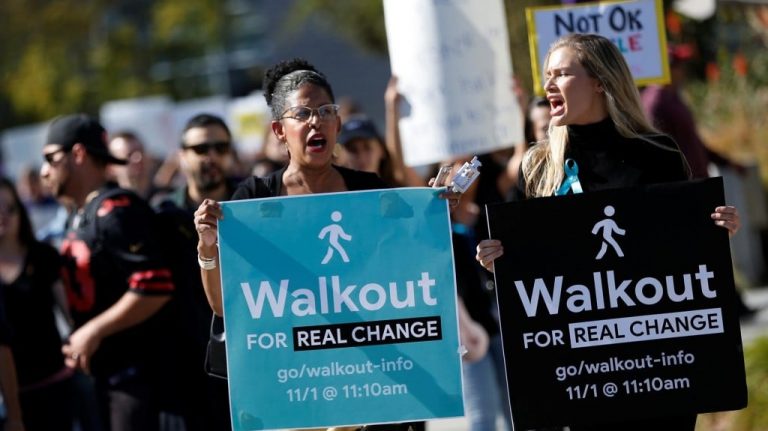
(334, 231)
(609, 227)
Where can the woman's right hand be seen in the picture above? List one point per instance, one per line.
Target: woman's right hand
(392, 95)
(207, 218)
(489, 250)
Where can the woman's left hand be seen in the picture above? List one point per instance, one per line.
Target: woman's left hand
(451, 196)
(727, 217)
(80, 347)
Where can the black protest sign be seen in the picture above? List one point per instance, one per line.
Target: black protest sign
(618, 305)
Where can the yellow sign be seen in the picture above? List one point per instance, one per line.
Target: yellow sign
(636, 27)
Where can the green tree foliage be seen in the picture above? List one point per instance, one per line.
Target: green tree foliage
(181, 28)
(361, 21)
(755, 416)
(43, 60)
(61, 56)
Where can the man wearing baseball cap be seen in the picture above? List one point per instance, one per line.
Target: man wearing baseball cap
(117, 284)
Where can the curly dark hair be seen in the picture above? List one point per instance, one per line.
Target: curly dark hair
(285, 77)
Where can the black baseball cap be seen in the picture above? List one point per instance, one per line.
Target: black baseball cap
(357, 127)
(69, 130)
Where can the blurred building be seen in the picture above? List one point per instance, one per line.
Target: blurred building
(258, 33)
(209, 74)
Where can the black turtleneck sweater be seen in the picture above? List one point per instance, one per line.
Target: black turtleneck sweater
(608, 160)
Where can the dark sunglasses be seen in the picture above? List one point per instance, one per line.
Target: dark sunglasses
(49, 157)
(221, 147)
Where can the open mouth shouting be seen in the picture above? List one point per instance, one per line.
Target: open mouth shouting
(317, 143)
(556, 105)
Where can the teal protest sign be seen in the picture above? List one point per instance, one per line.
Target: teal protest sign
(340, 309)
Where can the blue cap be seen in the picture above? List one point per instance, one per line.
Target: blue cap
(358, 127)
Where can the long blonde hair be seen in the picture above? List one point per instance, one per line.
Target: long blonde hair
(543, 164)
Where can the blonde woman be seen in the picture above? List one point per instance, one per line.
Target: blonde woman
(597, 121)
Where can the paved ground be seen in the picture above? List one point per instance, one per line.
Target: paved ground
(755, 327)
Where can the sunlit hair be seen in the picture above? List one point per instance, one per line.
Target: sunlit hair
(543, 164)
(286, 77)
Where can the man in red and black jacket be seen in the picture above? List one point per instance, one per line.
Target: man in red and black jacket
(117, 284)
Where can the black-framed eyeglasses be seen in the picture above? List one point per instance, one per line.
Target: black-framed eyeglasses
(304, 113)
(49, 157)
(221, 147)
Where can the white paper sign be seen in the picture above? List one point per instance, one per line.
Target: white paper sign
(455, 73)
(151, 118)
(636, 27)
(249, 119)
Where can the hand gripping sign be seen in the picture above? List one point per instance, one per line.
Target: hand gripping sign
(609, 314)
(336, 306)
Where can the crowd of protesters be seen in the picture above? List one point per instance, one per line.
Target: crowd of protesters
(111, 331)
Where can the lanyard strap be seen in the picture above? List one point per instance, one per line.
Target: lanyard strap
(571, 181)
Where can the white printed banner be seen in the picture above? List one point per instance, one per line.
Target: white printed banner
(455, 72)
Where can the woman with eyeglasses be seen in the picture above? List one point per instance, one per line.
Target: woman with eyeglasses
(597, 121)
(304, 119)
(29, 290)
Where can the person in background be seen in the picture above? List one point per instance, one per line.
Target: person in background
(116, 282)
(403, 174)
(206, 160)
(30, 291)
(485, 384)
(537, 120)
(10, 408)
(494, 184)
(667, 110)
(348, 107)
(272, 157)
(536, 126)
(364, 148)
(365, 151)
(598, 122)
(42, 207)
(136, 175)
